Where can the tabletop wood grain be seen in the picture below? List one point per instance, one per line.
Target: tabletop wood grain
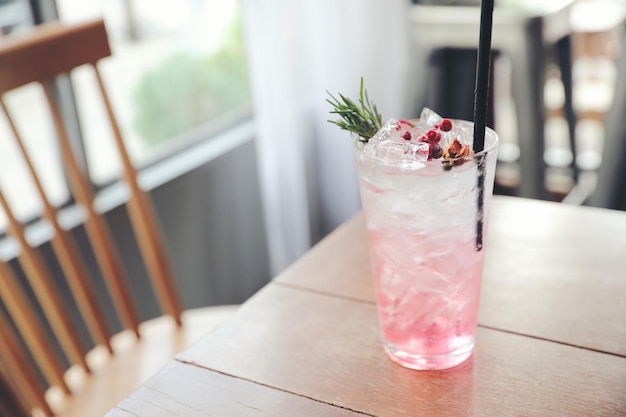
(551, 340)
(207, 393)
(293, 346)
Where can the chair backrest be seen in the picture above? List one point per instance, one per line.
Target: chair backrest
(40, 56)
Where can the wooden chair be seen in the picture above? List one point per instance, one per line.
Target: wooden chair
(110, 371)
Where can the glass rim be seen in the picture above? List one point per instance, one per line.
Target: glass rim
(358, 145)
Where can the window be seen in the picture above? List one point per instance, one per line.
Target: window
(26, 106)
(176, 74)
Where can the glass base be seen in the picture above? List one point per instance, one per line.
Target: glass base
(424, 362)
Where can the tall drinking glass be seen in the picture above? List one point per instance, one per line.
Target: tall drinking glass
(422, 232)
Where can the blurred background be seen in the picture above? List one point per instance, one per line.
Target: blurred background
(222, 105)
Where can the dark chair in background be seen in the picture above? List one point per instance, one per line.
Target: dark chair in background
(445, 39)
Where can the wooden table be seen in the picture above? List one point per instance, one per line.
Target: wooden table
(551, 339)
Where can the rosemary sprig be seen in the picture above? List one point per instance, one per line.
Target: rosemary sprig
(363, 119)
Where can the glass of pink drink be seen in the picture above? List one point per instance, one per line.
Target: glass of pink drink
(422, 218)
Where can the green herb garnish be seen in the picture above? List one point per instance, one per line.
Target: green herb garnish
(363, 119)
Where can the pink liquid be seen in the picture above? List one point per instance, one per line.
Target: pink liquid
(428, 289)
(422, 220)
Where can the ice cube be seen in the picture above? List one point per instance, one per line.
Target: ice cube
(428, 118)
(394, 129)
(398, 140)
(464, 133)
(395, 150)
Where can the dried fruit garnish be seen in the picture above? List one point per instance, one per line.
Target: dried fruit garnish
(455, 153)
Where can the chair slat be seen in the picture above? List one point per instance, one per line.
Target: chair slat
(12, 403)
(144, 222)
(67, 253)
(97, 231)
(50, 50)
(46, 293)
(30, 327)
(18, 366)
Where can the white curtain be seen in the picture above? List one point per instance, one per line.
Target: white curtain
(298, 49)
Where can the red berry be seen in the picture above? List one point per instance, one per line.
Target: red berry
(433, 136)
(406, 136)
(423, 138)
(435, 151)
(445, 125)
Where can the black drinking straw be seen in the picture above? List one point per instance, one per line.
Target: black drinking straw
(480, 107)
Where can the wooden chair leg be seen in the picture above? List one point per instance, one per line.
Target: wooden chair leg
(564, 55)
(19, 367)
(45, 291)
(29, 326)
(12, 404)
